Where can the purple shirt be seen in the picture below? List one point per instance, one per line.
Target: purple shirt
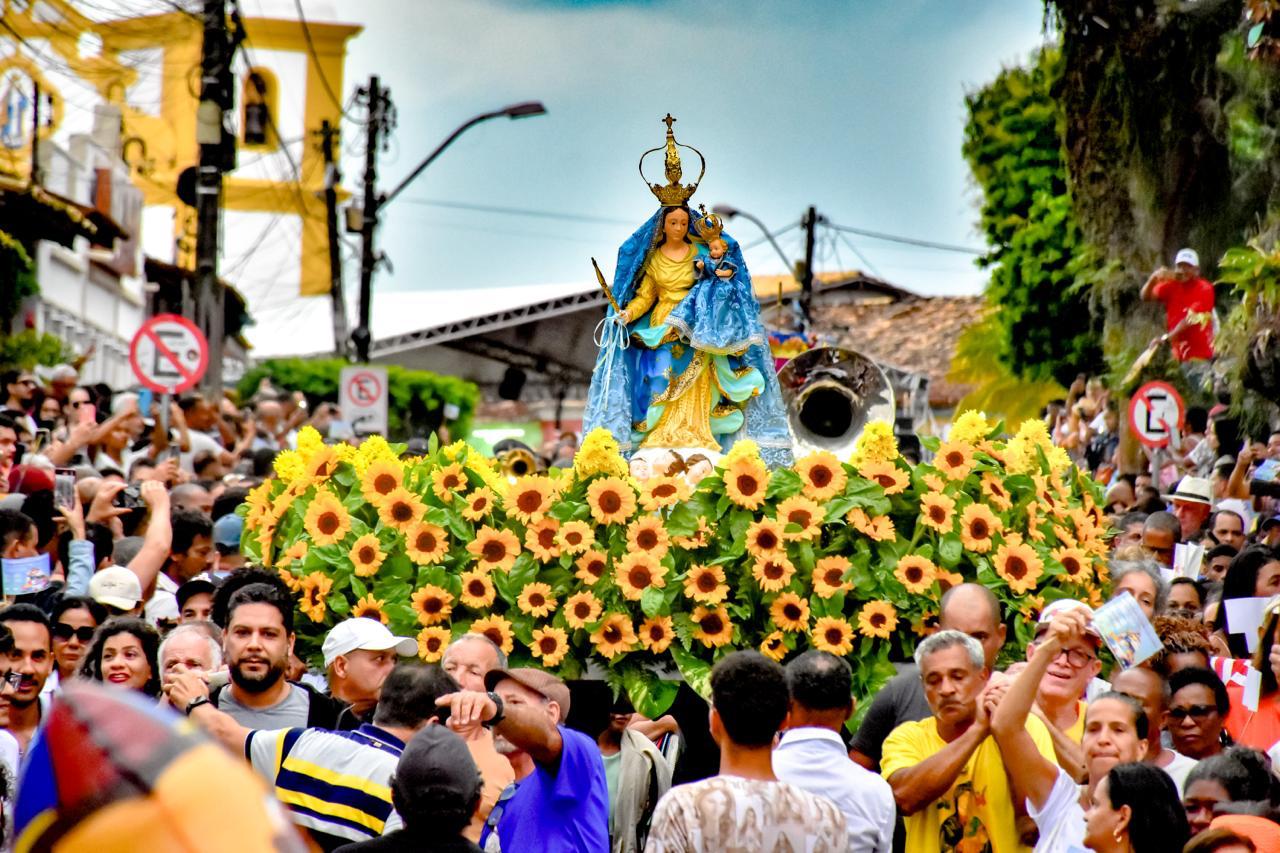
(560, 809)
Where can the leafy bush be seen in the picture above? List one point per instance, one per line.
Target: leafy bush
(28, 348)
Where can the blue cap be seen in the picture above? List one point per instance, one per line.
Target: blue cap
(227, 531)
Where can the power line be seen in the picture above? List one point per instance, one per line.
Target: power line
(910, 241)
(870, 266)
(517, 211)
(315, 57)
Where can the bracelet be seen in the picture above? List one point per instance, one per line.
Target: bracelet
(196, 703)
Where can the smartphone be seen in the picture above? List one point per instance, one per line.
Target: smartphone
(144, 400)
(88, 413)
(64, 488)
(169, 453)
(41, 440)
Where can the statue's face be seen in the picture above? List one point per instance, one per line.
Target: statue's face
(675, 226)
(716, 248)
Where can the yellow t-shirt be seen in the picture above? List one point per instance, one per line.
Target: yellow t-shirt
(1076, 730)
(976, 814)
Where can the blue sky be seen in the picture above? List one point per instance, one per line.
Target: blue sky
(855, 107)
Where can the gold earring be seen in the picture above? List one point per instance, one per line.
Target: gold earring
(1115, 833)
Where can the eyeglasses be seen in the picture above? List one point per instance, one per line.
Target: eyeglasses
(28, 382)
(1196, 712)
(1076, 659)
(63, 631)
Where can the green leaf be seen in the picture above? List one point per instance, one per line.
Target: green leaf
(523, 571)
(696, 671)
(338, 604)
(652, 601)
(649, 694)
(783, 484)
(433, 443)
(950, 550)
(397, 567)
(358, 588)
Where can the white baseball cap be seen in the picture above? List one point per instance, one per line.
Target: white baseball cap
(116, 586)
(1186, 256)
(363, 633)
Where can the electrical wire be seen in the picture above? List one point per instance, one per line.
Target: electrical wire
(857, 254)
(315, 57)
(909, 241)
(518, 211)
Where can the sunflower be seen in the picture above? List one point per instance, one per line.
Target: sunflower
(477, 590)
(259, 501)
(876, 619)
(614, 636)
(447, 480)
(926, 624)
(432, 604)
(977, 525)
(836, 635)
(656, 634)
(314, 588)
(790, 612)
(706, 584)
(954, 459)
(591, 567)
(321, 465)
(636, 572)
(536, 599)
(745, 481)
(647, 535)
(401, 509)
(822, 477)
(541, 538)
(828, 576)
(773, 573)
(879, 529)
(478, 504)
(933, 482)
(659, 492)
(1031, 608)
(712, 626)
(426, 544)
(774, 646)
(380, 479)
(529, 498)
(699, 539)
(996, 492)
(803, 513)
(1019, 565)
(369, 608)
(581, 609)
(887, 475)
(432, 643)
(575, 537)
(611, 500)
(550, 645)
(937, 511)
(366, 555)
(916, 573)
(764, 539)
(289, 579)
(494, 549)
(326, 521)
(946, 580)
(497, 629)
(296, 551)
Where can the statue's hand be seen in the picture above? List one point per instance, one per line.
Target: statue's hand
(724, 273)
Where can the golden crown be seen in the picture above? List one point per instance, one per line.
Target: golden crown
(674, 193)
(707, 226)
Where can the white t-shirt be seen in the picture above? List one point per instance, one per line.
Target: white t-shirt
(1178, 770)
(200, 442)
(1061, 821)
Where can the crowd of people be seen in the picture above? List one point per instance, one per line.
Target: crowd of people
(130, 513)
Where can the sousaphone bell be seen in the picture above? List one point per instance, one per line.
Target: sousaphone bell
(831, 394)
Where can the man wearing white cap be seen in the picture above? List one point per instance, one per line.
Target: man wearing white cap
(118, 589)
(1192, 502)
(359, 654)
(1188, 305)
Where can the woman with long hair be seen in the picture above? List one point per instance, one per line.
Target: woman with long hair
(1135, 808)
(125, 652)
(73, 622)
(1253, 573)
(1260, 728)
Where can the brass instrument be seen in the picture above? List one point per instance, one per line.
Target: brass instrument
(831, 394)
(518, 462)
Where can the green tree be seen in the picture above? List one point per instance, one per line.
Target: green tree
(1013, 143)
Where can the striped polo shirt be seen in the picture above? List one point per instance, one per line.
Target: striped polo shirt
(336, 784)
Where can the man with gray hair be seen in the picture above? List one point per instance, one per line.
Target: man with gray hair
(190, 647)
(946, 771)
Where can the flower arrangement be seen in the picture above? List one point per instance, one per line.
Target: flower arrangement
(587, 564)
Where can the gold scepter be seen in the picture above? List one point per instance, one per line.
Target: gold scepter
(604, 285)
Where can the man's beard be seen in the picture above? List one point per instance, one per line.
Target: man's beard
(251, 684)
(503, 746)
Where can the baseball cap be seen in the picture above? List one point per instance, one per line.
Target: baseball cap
(363, 633)
(437, 760)
(1269, 523)
(1187, 256)
(116, 586)
(1060, 606)
(195, 586)
(227, 532)
(537, 681)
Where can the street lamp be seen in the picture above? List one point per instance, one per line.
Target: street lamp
(728, 211)
(362, 337)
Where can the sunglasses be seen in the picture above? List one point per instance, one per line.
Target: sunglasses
(63, 631)
(1196, 712)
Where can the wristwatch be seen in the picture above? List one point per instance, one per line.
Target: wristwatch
(497, 717)
(196, 703)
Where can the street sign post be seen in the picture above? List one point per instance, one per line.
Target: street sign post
(1155, 410)
(169, 354)
(362, 397)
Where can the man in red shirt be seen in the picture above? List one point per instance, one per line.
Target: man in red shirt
(1188, 303)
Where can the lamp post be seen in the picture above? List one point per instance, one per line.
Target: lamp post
(728, 211)
(362, 337)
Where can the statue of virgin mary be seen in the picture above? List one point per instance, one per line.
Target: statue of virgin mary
(684, 363)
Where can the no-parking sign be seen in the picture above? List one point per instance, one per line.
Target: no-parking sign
(169, 354)
(362, 397)
(1154, 411)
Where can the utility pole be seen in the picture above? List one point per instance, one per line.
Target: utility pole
(379, 100)
(217, 154)
(333, 177)
(809, 223)
(36, 178)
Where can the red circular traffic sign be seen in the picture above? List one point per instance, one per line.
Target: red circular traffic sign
(364, 389)
(169, 354)
(1154, 410)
